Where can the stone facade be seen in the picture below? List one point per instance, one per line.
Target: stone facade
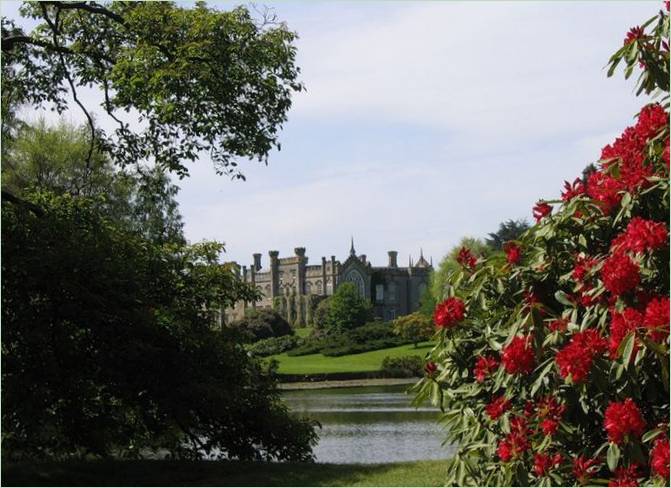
(293, 287)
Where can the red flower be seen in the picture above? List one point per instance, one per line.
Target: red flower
(622, 324)
(659, 458)
(544, 463)
(621, 419)
(656, 318)
(466, 258)
(573, 190)
(449, 312)
(518, 356)
(620, 274)
(625, 476)
(584, 468)
(497, 407)
(513, 252)
(576, 357)
(558, 325)
(483, 366)
(641, 235)
(634, 34)
(583, 265)
(605, 190)
(430, 368)
(549, 411)
(542, 209)
(515, 443)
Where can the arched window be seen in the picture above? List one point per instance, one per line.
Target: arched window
(353, 276)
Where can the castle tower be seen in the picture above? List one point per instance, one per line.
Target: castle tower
(393, 257)
(274, 274)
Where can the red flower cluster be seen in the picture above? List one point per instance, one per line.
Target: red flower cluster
(584, 468)
(605, 190)
(573, 190)
(518, 356)
(544, 463)
(620, 274)
(497, 407)
(622, 324)
(513, 252)
(583, 265)
(430, 368)
(634, 34)
(449, 312)
(515, 443)
(576, 357)
(625, 476)
(558, 325)
(549, 412)
(641, 235)
(621, 419)
(542, 209)
(466, 258)
(483, 366)
(656, 318)
(659, 458)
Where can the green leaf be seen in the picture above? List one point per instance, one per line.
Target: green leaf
(563, 298)
(627, 347)
(651, 434)
(613, 456)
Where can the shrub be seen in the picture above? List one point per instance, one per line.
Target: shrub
(558, 372)
(414, 327)
(403, 366)
(346, 309)
(262, 324)
(274, 345)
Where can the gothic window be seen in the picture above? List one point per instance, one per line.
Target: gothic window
(391, 292)
(308, 287)
(353, 276)
(318, 285)
(379, 293)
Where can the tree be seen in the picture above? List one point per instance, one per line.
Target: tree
(509, 230)
(262, 324)
(53, 158)
(347, 310)
(199, 79)
(108, 345)
(552, 368)
(415, 327)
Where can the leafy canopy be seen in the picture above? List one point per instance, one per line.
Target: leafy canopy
(176, 82)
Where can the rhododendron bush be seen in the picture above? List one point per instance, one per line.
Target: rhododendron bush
(552, 365)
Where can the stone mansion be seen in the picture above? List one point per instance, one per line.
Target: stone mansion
(293, 287)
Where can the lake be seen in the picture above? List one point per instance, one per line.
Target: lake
(371, 424)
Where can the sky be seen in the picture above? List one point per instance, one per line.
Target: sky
(422, 123)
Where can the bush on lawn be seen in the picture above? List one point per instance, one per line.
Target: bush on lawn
(262, 324)
(552, 365)
(403, 366)
(274, 345)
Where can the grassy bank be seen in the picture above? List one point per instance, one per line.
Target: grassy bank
(222, 473)
(365, 361)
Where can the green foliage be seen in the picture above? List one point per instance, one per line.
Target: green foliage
(262, 324)
(53, 158)
(600, 255)
(108, 347)
(319, 317)
(509, 230)
(346, 309)
(274, 345)
(202, 80)
(449, 263)
(403, 366)
(415, 327)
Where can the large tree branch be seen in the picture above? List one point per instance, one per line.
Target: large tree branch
(9, 42)
(91, 7)
(10, 197)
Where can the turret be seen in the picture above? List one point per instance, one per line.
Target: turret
(393, 256)
(257, 261)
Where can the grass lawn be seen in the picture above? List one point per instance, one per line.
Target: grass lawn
(365, 361)
(222, 473)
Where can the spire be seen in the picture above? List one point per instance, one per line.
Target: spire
(409, 261)
(421, 263)
(352, 252)
(421, 253)
(431, 260)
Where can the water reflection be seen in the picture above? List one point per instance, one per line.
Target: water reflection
(370, 425)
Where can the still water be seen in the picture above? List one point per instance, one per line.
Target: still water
(372, 424)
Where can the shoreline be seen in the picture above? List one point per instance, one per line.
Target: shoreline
(315, 385)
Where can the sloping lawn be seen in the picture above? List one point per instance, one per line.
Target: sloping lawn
(365, 361)
(222, 473)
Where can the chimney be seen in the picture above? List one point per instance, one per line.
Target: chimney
(362, 258)
(257, 261)
(299, 251)
(393, 255)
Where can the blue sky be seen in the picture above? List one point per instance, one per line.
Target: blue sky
(423, 122)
